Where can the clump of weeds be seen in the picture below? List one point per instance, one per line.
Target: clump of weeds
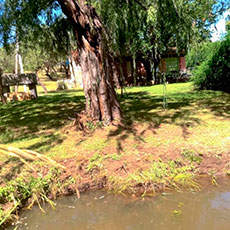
(192, 156)
(95, 162)
(160, 174)
(26, 190)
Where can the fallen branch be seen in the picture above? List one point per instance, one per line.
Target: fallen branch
(24, 154)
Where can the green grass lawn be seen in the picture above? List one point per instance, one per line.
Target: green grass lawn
(193, 119)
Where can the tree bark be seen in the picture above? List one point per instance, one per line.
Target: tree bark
(115, 69)
(47, 70)
(3, 99)
(149, 73)
(93, 54)
(134, 70)
(122, 76)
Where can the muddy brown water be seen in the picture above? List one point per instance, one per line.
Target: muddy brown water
(206, 210)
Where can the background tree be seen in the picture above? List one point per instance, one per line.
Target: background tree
(200, 52)
(52, 47)
(214, 72)
(6, 60)
(149, 28)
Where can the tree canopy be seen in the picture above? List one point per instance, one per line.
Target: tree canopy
(150, 27)
(132, 25)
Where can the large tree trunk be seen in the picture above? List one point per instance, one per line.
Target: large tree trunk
(93, 55)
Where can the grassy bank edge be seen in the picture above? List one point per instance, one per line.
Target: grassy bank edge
(26, 189)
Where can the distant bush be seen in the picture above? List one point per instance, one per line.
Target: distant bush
(6, 61)
(214, 72)
(197, 55)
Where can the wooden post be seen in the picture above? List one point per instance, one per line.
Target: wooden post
(33, 90)
(16, 63)
(6, 89)
(21, 70)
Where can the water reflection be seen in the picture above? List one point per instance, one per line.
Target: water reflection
(187, 211)
(222, 201)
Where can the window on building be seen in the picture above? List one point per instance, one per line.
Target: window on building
(172, 64)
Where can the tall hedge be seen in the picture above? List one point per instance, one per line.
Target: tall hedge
(198, 54)
(214, 72)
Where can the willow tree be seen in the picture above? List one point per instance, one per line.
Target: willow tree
(93, 52)
(93, 55)
(148, 27)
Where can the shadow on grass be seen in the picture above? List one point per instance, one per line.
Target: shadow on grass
(37, 121)
(182, 110)
(33, 119)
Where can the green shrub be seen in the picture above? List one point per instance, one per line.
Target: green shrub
(199, 75)
(214, 73)
(202, 52)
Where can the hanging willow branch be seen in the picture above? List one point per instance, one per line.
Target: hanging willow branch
(140, 4)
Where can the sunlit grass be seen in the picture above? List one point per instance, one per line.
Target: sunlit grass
(95, 144)
(194, 119)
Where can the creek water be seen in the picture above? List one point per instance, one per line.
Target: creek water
(206, 210)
